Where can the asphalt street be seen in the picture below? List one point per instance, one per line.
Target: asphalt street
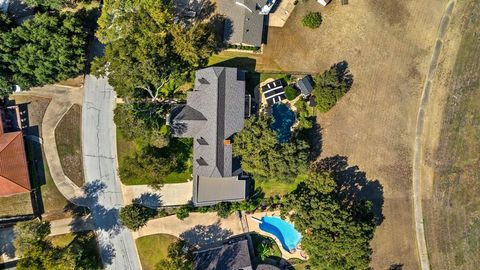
(103, 191)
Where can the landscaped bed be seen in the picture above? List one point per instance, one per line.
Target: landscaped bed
(153, 248)
(69, 144)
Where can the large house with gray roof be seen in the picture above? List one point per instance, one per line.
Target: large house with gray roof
(244, 24)
(214, 112)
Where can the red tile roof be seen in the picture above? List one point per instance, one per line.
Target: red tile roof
(13, 164)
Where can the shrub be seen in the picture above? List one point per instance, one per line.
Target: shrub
(224, 209)
(312, 20)
(135, 216)
(290, 92)
(184, 211)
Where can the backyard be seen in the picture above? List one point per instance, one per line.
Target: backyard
(153, 248)
(373, 124)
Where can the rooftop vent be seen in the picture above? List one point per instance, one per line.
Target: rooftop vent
(201, 162)
(203, 81)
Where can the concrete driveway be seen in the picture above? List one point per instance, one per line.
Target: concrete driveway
(169, 195)
(102, 185)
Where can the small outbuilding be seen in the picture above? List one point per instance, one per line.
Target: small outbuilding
(305, 85)
(323, 2)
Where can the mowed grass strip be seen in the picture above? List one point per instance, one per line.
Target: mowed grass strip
(69, 144)
(153, 248)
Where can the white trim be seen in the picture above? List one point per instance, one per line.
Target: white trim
(271, 89)
(270, 97)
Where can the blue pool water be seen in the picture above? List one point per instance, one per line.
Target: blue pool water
(284, 231)
(284, 118)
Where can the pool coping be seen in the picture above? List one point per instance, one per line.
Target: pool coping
(254, 226)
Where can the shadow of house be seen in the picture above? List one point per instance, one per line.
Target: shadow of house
(354, 185)
(203, 236)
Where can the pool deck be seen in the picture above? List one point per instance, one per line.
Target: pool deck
(254, 226)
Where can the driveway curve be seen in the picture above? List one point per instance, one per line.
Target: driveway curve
(418, 144)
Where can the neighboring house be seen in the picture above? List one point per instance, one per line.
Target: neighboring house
(214, 112)
(13, 162)
(273, 92)
(231, 255)
(243, 24)
(305, 85)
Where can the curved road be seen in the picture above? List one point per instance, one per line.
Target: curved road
(103, 194)
(418, 147)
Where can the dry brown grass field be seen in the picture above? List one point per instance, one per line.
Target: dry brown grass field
(452, 160)
(388, 46)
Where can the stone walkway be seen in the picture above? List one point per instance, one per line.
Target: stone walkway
(169, 195)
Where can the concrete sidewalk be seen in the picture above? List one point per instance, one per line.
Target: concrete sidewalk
(169, 195)
(62, 100)
(200, 229)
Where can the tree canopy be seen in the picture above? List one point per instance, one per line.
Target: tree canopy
(54, 4)
(148, 54)
(264, 157)
(334, 235)
(135, 216)
(45, 49)
(178, 257)
(312, 20)
(37, 252)
(329, 88)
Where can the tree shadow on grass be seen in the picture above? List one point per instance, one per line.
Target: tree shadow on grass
(354, 185)
(202, 236)
(343, 73)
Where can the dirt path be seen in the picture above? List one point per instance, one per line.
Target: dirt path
(418, 146)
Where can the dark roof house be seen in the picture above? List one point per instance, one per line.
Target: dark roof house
(214, 112)
(305, 85)
(14, 176)
(273, 92)
(243, 24)
(232, 255)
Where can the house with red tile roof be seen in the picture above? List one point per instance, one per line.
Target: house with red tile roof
(14, 176)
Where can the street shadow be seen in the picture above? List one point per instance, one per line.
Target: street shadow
(6, 242)
(202, 236)
(343, 73)
(107, 252)
(354, 186)
(224, 28)
(108, 218)
(148, 199)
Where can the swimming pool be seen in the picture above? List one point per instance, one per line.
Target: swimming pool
(284, 231)
(284, 118)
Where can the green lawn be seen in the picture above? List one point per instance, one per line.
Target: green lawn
(69, 144)
(19, 204)
(126, 147)
(277, 188)
(153, 248)
(246, 61)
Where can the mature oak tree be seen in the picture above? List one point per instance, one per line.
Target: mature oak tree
(334, 235)
(264, 157)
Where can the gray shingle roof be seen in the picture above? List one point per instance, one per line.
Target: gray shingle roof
(233, 256)
(243, 24)
(305, 85)
(213, 113)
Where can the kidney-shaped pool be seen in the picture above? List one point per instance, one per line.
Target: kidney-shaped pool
(284, 231)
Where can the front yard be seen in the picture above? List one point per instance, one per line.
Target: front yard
(153, 248)
(69, 144)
